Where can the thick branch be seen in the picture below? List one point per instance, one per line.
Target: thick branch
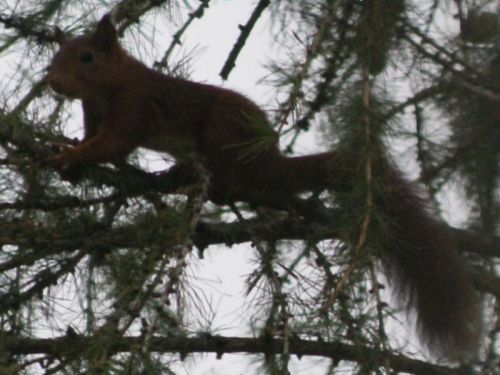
(47, 242)
(206, 343)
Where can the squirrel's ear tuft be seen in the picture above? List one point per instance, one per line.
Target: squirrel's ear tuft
(59, 36)
(106, 36)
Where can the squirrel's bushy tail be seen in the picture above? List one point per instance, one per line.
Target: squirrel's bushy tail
(420, 259)
(428, 275)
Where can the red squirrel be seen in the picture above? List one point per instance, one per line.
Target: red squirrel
(128, 105)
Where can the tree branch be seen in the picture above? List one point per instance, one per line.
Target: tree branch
(23, 26)
(206, 343)
(176, 38)
(244, 34)
(47, 242)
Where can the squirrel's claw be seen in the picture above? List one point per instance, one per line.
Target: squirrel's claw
(64, 164)
(59, 161)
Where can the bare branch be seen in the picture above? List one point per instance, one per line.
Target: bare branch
(244, 34)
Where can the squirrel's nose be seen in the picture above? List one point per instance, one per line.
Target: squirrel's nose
(55, 83)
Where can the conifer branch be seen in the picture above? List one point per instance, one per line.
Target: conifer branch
(128, 12)
(176, 38)
(244, 34)
(471, 79)
(41, 281)
(312, 50)
(67, 346)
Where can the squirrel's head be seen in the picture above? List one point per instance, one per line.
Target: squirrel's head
(87, 65)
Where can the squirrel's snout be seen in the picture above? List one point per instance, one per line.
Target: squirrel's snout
(62, 85)
(56, 85)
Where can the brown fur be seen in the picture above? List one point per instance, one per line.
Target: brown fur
(127, 105)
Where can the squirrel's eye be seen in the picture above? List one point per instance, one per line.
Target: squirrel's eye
(86, 57)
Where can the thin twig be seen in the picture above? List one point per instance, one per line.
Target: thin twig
(311, 52)
(176, 38)
(367, 217)
(244, 34)
(193, 212)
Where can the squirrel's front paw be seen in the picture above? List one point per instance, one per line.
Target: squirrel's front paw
(65, 164)
(60, 162)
